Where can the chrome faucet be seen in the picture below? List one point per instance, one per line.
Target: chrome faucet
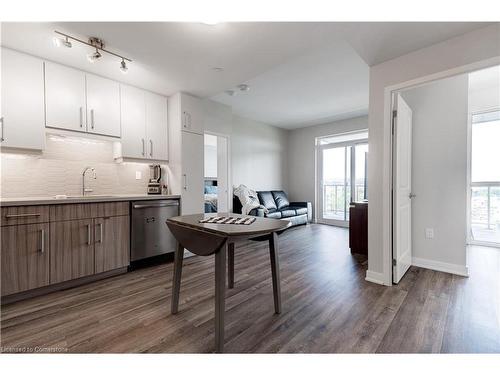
(86, 190)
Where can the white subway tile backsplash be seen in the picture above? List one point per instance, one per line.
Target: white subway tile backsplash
(58, 170)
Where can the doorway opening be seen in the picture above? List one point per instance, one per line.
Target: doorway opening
(445, 175)
(341, 171)
(216, 181)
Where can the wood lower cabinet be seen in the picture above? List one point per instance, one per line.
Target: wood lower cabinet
(71, 250)
(24, 257)
(112, 245)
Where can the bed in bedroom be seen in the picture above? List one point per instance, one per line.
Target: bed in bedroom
(210, 196)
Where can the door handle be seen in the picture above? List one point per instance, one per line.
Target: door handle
(151, 147)
(92, 118)
(89, 235)
(411, 195)
(143, 148)
(168, 204)
(150, 219)
(185, 181)
(100, 232)
(2, 123)
(81, 117)
(42, 241)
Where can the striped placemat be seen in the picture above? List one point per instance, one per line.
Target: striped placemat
(228, 220)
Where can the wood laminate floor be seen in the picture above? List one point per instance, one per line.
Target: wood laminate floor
(328, 307)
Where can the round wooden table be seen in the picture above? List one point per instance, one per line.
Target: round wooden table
(206, 239)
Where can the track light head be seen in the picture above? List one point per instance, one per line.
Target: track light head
(123, 67)
(58, 42)
(93, 57)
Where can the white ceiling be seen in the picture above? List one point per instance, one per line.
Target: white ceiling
(300, 73)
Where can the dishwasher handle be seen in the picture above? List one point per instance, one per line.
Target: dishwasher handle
(154, 205)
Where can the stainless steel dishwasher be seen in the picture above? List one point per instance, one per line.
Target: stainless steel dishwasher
(150, 235)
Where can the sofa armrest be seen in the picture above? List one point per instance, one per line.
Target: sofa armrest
(307, 205)
(257, 212)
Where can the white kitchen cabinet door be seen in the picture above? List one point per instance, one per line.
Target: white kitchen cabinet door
(103, 106)
(22, 117)
(64, 97)
(192, 174)
(156, 126)
(191, 114)
(133, 120)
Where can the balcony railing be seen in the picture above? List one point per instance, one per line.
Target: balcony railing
(485, 204)
(336, 199)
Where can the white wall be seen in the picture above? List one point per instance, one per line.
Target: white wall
(484, 90)
(302, 156)
(439, 171)
(258, 155)
(456, 52)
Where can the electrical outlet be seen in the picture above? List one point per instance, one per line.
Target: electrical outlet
(138, 175)
(429, 233)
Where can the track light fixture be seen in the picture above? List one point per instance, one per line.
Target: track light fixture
(123, 67)
(93, 57)
(64, 40)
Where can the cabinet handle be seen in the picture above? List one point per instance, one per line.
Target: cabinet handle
(151, 148)
(143, 148)
(1, 137)
(92, 118)
(189, 120)
(184, 122)
(100, 232)
(16, 216)
(185, 181)
(42, 239)
(89, 235)
(81, 117)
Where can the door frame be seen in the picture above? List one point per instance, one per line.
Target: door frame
(319, 174)
(387, 167)
(229, 177)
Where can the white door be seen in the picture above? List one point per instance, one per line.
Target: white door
(133, 120)
(402, 190)
(103, 106)
(192, 182)
(22, 117)
(156, 126)
(65, 97)
(222, 175)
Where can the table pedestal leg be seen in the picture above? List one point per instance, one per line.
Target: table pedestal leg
(176, 283)
(275, 270)
(230, 265)
(220, 295)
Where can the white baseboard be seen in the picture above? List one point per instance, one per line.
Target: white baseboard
(375, 277)
(435, 265)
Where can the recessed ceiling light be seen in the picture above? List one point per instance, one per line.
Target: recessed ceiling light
(217, 69)
(230, 92)
(243, 87)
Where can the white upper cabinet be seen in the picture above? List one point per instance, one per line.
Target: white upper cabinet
(103, 106)
(65, 99)
(144, 125)
(191, 114)
(133, 118)
(156, 126)
(22, 117)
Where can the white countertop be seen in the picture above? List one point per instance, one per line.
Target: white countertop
(28, 201)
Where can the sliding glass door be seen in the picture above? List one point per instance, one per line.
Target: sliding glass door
(338, 163)
(484, 189)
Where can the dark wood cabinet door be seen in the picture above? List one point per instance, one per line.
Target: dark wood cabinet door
(71, 250)
(24, 257)
(112, 243)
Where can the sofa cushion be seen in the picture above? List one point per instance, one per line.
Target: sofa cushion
(274, 214)
(299, 210)
(266, 199)
(287, 212)
(281, 199)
